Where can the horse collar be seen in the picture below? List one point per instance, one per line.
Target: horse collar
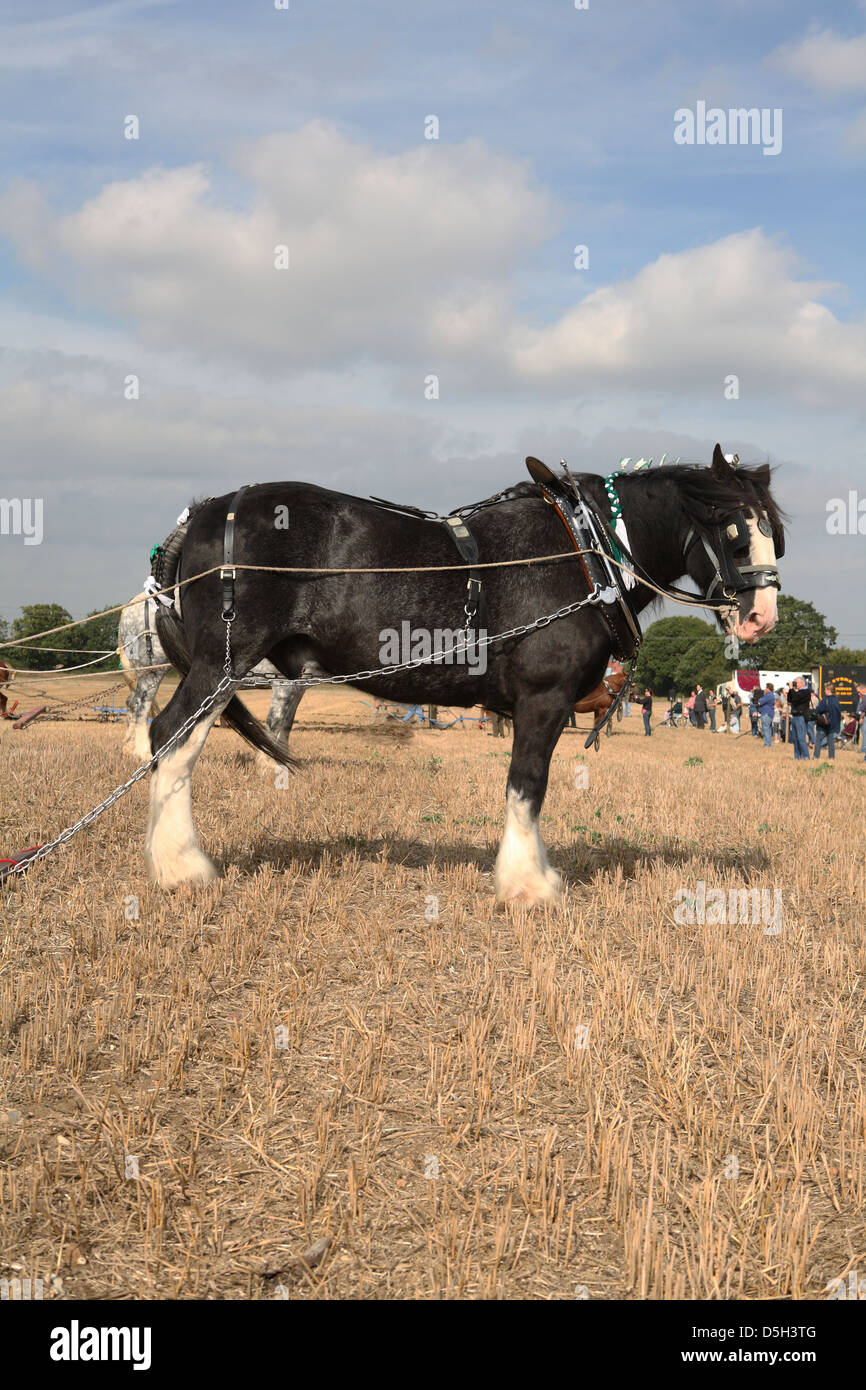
(592, 537)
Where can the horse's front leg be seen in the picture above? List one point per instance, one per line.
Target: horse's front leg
(522, 872)
(171, 849)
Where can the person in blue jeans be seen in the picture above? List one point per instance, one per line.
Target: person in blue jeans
(833, 710)
(799, 699)
(766, 709)
(646, 705)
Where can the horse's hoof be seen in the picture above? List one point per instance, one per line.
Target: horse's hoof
(547, 888)
(190, 868)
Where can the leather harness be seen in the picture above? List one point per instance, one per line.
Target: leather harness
(228, 574)
(148, 633)
(587, 530)
(475, 607)
(730, 577)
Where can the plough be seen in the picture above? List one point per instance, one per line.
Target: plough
(24, 719)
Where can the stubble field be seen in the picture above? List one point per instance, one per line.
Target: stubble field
(341, 1073)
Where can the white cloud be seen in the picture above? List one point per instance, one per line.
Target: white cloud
(408, 264)
(389, 254)
(688, 319)
(825, 60)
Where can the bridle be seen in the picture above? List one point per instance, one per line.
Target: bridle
(728, 539)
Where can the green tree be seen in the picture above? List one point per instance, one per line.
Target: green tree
(98, 635)
(703, 661)
(802, 637)
(847, 656)
(664, 646)
(37, 617)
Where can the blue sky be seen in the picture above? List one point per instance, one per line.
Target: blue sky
(411, 257)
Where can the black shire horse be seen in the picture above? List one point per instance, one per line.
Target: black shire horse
(337, 623)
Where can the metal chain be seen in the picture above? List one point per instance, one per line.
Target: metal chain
(85, 700)
(67, 834)
(228, 681)
(255, 682)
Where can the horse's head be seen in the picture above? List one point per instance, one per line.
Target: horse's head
(733, 542)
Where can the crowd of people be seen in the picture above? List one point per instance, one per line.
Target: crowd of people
(792, 714)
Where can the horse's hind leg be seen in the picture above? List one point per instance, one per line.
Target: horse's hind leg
(285, 699)
(139, 704)
(171, 848)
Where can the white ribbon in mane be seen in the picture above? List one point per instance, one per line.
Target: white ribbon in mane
(150, 588)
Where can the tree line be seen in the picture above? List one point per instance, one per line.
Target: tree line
(97, 634)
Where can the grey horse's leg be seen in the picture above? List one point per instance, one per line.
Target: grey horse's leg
(284, 706)
(139, 704)
(285, 699)
(140, 651)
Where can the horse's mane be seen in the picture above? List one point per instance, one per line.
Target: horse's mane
(708, 500)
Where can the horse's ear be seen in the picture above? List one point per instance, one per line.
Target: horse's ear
(720, 466)
(761, 475)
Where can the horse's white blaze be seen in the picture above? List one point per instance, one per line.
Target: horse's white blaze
(522, 871)
(171, 848)
(762, 616)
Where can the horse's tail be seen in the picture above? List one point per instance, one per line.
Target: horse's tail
(171, 633)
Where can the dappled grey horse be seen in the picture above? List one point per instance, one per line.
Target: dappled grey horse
(145, 665)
